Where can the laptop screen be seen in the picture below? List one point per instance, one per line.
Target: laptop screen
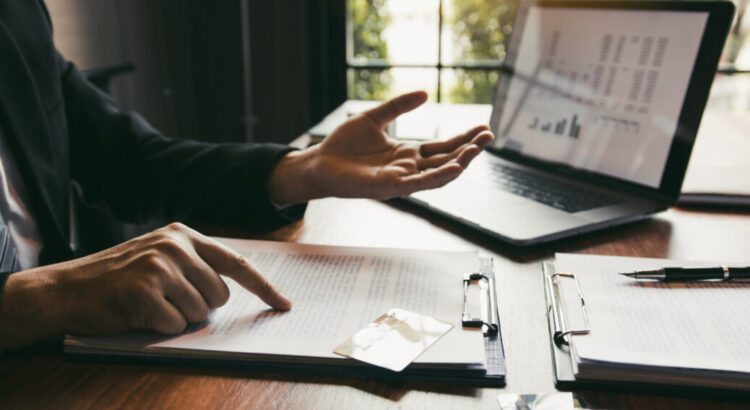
(598, 89)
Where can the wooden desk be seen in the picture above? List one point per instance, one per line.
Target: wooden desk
(40, 377)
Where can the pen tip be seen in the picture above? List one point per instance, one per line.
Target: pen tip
(629, 274)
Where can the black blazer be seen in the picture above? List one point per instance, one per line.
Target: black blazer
(63, 131)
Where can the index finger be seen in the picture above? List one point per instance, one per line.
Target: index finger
(389, 110)
(229, 263)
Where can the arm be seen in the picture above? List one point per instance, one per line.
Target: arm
(159, 281)
(164, 279)
(124, 165)
(170, 277)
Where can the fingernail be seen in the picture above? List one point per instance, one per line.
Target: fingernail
(285, 301)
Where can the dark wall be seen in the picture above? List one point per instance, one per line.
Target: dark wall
(188, 58)
(229, 70)
(280, 80)
(298, 64)
(198, 76)
(189, 54)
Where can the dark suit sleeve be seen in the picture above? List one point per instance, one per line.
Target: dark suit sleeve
(122, 164)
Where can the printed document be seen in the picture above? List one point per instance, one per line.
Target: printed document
(335, 291)
(696, 326)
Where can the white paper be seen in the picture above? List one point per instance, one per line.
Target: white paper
(334, 291)
(718, 164)
(698, 325)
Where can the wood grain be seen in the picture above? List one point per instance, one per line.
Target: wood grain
(41, 377)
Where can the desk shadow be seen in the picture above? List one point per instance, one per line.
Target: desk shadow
(682, 399)
(386, 389)
(716, 209)
(48, 347)
(704, 284)
(531, 253)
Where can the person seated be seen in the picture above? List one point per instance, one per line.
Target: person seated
(58, 130)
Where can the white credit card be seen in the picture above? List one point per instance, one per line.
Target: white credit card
(394, 339)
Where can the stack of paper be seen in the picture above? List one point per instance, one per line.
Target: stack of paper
(335, 291)
(654, 332)
(718, 169)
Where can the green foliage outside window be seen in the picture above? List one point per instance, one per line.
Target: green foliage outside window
(737, 37)
(369, 18)
(480, 32)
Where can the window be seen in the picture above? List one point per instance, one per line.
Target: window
(731, 88)
(452, 49)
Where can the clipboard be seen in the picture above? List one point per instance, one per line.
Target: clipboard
(491, 375)
(489, 321)
(562, 361)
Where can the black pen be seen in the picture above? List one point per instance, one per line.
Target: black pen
(722, 273)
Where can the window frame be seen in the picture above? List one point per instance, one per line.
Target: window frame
(477, 65)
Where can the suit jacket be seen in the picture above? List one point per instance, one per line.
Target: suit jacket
(62, 130)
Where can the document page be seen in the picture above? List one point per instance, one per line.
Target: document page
(718, 164)
(335, 291)
(697, 325)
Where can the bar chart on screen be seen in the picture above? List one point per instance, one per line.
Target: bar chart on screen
(561, 127)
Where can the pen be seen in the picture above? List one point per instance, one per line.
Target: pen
(723, 273)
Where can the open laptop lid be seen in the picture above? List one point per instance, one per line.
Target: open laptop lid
(610, 91)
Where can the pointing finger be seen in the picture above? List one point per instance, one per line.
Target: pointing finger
(231, 264)
(389, 110)
(246, 275)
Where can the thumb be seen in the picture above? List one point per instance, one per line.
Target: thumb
(389, 110)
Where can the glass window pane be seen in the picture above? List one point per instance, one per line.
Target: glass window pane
(382, 84)
(730, 93)
(737, 48)
(476, 30)
(462, 86)
(396, 31)
(368, 84)
(367, 19)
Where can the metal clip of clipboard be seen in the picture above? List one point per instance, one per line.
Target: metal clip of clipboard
(488, 321)
(557, 308)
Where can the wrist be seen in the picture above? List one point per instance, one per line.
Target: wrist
(292, 181)
(31, 309)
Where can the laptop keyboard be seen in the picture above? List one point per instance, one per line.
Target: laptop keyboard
(555, 193)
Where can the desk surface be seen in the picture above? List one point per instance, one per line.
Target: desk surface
(40, 377)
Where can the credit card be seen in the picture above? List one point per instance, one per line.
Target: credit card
(394, 340)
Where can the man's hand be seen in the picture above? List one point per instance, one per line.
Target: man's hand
(161, 281)
(359, 160)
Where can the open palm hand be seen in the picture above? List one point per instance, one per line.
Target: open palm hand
(359, 159)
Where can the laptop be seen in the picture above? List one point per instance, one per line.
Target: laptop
(595, 115)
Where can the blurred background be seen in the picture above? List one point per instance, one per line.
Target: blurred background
(253, 70)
